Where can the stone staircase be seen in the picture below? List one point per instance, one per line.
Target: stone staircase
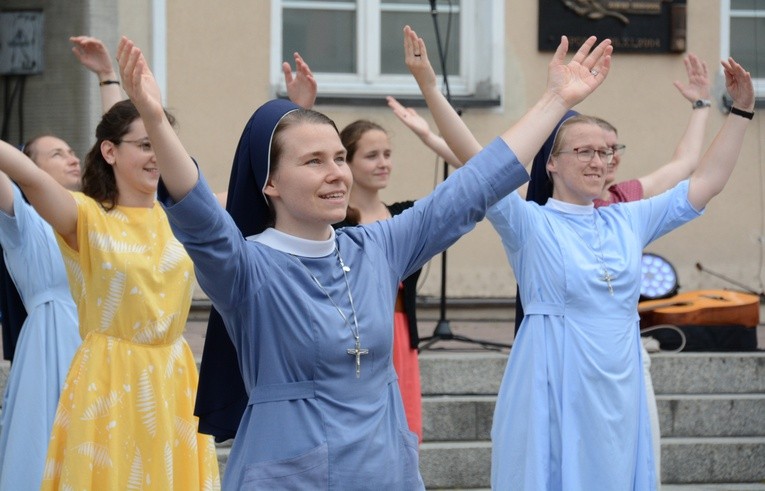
(711, 408)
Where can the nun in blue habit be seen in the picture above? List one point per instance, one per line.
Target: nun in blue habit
(539, 190)
(571, 413)
(310, 321)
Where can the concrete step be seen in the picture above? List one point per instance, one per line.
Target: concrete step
(717, 397)
(708, 373)
(459, 373)
(465, 418)
(456, 465)
(457, 418)
(711, 409)
(476, 373)
(715, 487)
(467, 464)
(713, 460)
(711, 415)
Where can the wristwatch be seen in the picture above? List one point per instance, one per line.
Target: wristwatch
(699, 103)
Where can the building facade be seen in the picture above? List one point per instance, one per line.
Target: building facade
(217, 61)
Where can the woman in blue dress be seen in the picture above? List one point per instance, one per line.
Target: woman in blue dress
(309, 310)
(571, 413)
(49, 336)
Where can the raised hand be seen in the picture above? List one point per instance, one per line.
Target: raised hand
(410, 118)
(417, 61)
(302, 87)
(738, 82)
(137, 80)
(698, 79)
(575, 80)
(93, 55)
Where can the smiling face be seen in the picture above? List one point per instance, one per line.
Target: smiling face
(575, 181)
(134, 164)
(371, 164)
(55, 157)
(310, 183)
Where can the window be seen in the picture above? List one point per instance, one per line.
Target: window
(743, 37)
(355, 47)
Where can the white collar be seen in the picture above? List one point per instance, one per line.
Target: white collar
(571, 208)
(295, 245)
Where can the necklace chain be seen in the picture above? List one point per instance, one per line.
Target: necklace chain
(599, 254)
(357, 351)
(606, 276)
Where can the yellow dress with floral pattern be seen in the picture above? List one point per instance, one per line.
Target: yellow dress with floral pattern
(125, 419)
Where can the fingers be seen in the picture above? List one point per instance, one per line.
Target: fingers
(287, 71)
(128, 56)
(598, 61)
(560, 51)
(414, 46)
(394, 104)
(301, 65)
(398, 109)
(696, 68)
(583, 53)
(738, 82)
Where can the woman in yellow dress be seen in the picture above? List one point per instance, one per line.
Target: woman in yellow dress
(125, 417)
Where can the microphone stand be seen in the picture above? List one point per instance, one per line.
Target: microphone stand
(729, 280)
(443, 330)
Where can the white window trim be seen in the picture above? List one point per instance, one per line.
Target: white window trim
(725, 16)
(477, 53)
(159, 45)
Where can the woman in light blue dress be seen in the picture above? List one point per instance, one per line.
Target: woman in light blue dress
(571, 413)
(309, 310)
(49, 336)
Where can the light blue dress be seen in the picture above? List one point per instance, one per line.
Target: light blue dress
(571, 412)
(311, 423)
(45, 348)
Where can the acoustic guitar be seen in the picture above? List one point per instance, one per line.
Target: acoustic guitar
(702, 307)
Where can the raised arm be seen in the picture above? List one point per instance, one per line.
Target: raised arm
(421, 128)
(450, 125)
(720, 158)
(178, 171)
(51, 200)
(567, 85)
(302, 86)
(688, 151)
(93, 55)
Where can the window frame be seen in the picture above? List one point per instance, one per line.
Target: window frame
(481, 56)
(726, 14)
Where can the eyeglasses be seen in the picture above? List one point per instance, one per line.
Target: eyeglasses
(143, 144)
(588, 154)
(618, 149)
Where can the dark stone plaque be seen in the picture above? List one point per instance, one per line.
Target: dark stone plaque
(638, 26)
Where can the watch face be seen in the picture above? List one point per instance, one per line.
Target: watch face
(701, 103)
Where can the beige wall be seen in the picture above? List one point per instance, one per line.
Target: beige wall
(218, 61)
